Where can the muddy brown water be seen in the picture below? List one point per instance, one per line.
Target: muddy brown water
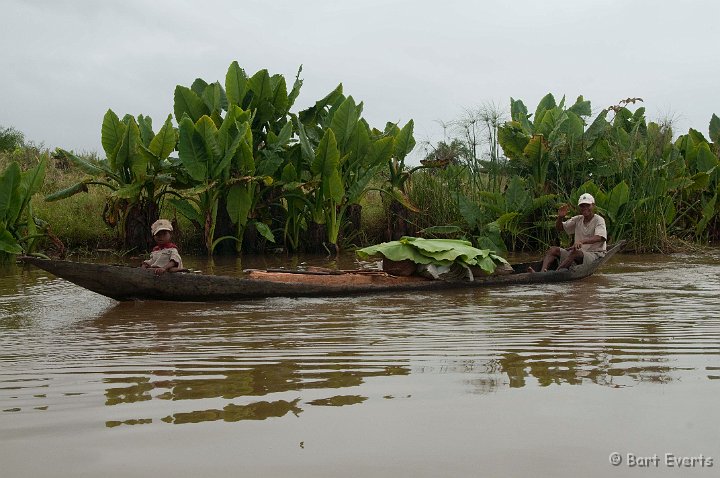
(541, 380)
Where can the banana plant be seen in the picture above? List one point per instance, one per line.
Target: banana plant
(512, 213)
(554, 144)
(701, 194)
(263, 102)
(18, 229)
(334, 174)
(208, 153)
(136, 170)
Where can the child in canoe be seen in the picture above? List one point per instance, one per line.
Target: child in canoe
(164, 256)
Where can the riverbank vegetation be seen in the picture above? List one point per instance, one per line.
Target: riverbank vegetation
(239, 172)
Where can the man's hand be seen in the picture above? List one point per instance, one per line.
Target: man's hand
(159, 271)
(563, 210)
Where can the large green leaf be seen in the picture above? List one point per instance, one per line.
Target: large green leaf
(187, 102)
(259, 84)
(207, 130)
(430, 251)
(325, 165)
(239, 202)
(32, 180)
(130, 191)
(236, 84)
(146, 130)
(491, 239)
(517, 198)
(705, 159)
(708, 213)
(198, 86)
(164, 142)
(186, 209)
(312, 115)
(306, 148)
(67, 192)
(358, 147)
(8, 243)
(279, 98)
(214, 98)
(222, 168)
(192, 152)
(359, 185)
(275, 143)
(9, 183)
(696, 136)
(344, 120)
(129, 155)
(295, 91)
(574, 126)
(513, 139)
(32, 233)
(244, 160)
(519, 114)
(404, 141)
(264, 231)
(327, 155)
(289, 174)
(127, 151)
(381, 151)
(470, 212)
(617, 198)
(669, 210)
(715, 129)
(270, 162)
(581, 107)
(229, 126)
(547, 103)
(700, 181)
(400, 196)
(86, 167)
(505, 221)
(112, 133)
(536, 152)
(395, 251)
(552, 122)
(597, 128)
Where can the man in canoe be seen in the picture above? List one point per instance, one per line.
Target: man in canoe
(164, 256)
(590, 236)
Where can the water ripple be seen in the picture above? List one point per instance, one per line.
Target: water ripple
(639, 322)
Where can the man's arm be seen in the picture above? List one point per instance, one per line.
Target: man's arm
(562, 212)
(589, 240)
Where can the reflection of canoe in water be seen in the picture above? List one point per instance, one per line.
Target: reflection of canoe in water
(128, 283)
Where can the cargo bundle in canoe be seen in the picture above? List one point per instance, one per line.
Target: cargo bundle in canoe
(134, 283)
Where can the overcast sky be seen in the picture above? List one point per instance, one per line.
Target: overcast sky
(63, 63)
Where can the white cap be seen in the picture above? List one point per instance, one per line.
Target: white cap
(586, 199)
(161, 225)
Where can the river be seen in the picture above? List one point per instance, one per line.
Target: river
(537, 380)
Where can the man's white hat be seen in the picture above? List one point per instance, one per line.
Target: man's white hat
(586, 199)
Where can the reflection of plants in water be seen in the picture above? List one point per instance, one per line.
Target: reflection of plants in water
(263, 379)
(338, 401)
(602, 368)
(235, 413)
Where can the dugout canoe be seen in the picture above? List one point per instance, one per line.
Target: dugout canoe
(134, 283)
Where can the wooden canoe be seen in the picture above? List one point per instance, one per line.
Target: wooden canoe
(134, 283)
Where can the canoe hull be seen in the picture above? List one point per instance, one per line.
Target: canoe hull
(133, 283)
